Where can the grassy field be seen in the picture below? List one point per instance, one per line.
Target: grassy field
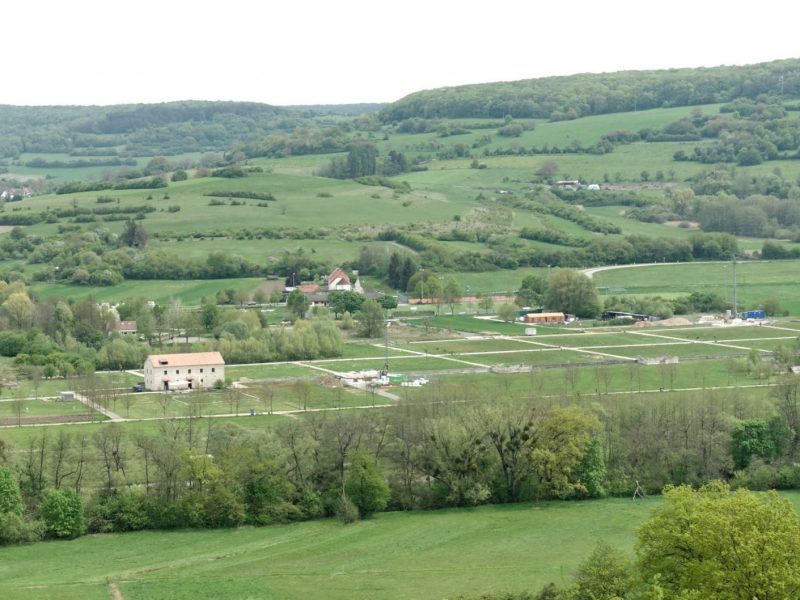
(189, 292)
(281, 397)
(757, 281)
(394, 556)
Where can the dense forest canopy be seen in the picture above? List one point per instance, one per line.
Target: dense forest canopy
(570, 97)
(147, 129)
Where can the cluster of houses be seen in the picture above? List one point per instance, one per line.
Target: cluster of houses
(14, 194)
(318, 294)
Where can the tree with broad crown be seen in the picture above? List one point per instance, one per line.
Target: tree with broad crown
(507, 312)
(19, 309)
(10, 499)
(362, 159)
(371, 317)
(603, 576)
(452, 294)
(365, 485)
(134, 235)
(345, 301)
(62, 514)
(572, 292)
(714, 543)
(297, 303)
(531, 291)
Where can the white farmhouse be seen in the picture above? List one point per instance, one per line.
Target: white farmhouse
(193, 370)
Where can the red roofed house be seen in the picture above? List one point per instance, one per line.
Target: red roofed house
(125, 327)
(339, 281)
(193, 370)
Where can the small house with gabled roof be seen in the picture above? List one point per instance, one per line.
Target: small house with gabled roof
(339, 281)
(125, 327)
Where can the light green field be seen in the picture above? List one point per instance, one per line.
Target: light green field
(768, 345)
(189, 292)
(64, 175)
(283, 396)
(725, 333)
(259, 251)
(471, 324)
(399, 363)
(31, 409)
(588, 340)
(536, 357)
(617, 380)
(680, 350)
(417, 555)
(586, 130)
(298, 204)
(394, 556)
(269, 371)
(459, 345)
(756, 281)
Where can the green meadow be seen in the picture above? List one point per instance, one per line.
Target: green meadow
(756, 281)
(399, 556)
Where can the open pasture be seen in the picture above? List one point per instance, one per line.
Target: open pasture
(397, 556)
(689, 349)
(457, 346)
(189, 292)
(757, 281)
(723, 333)
(534, 356)
(392, 556)
(399, 363)
(474, 325)
(586, 340)
(769, 345)
(300, 201)
(29, 411)
(261, 398)
(611, 382)
(269, 371)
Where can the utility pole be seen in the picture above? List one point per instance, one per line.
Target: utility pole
(386, 348)
(735, 307)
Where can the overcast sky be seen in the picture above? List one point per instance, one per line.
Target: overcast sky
(331, 52)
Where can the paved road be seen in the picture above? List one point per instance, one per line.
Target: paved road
(590, 272)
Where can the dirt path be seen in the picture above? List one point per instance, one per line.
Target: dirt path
(101, 409)
(114, 592)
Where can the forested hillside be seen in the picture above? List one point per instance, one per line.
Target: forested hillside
(148, 129)
(561, 98)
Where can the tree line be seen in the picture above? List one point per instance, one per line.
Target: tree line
(450, 447)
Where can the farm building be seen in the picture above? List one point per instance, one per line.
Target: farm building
(339, 281)
(194, 370)
(545, 317)
(125, 327)
(621, 314)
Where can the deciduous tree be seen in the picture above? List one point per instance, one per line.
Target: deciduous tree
(714, 543)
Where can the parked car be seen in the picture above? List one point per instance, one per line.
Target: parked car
(139, 387)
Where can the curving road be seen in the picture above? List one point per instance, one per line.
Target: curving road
(591, 271)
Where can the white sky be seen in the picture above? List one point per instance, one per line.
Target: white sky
(327, 52)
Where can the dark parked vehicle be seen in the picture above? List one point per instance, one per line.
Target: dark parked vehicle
(139, 387)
